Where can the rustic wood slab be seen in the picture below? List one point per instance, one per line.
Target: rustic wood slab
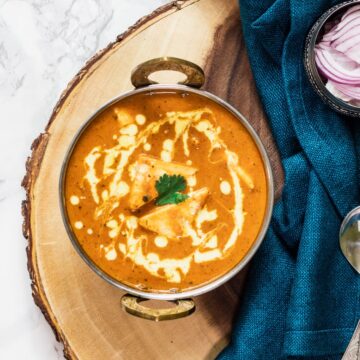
(83, 310)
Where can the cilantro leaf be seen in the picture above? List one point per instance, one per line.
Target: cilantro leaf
(172, 198)
(167, 184)
(168, 188)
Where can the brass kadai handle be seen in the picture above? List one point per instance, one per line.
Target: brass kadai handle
(131, 304)
(195, 76)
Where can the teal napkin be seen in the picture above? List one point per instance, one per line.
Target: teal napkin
(301, 298)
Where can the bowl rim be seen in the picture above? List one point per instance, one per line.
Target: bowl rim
(211, 284)
(312, 70)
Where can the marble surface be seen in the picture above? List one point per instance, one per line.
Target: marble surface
(43, 43)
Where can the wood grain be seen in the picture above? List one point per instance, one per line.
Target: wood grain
(82, 309)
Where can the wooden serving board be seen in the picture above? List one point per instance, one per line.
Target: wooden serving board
(83, 310)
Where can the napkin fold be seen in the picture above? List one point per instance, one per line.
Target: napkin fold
(301, 298)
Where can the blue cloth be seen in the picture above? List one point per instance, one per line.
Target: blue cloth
(301, 298)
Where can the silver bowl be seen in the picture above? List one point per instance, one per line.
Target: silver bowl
(310, 66)
(140, 79)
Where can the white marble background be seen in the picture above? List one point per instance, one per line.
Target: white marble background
(43, 43)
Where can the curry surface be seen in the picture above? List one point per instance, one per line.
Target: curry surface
(92, 228)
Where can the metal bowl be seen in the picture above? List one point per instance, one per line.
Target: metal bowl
(141, 82)
(310, 66)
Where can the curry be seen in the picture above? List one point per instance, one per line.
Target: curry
(165, 190)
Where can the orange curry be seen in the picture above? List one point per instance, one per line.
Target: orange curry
(165, 191)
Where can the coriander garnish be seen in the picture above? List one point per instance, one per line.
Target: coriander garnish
(168, 188)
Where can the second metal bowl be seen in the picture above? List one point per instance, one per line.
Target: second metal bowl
(310, 65)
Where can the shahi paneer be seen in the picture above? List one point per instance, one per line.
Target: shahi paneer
(165, 190)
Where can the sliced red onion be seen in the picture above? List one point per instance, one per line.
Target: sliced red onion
(323, 69)
(346, 42)
(346, 32)
(338, 30)
(343, 60)
(345, 25)
(338, 68)
(350, 11)
(331, 86)
(351, 91)
(337, 56)
(354, 53)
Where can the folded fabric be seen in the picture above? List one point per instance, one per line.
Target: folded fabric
(301, 298)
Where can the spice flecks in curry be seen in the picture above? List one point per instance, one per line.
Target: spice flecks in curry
(177, 245)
